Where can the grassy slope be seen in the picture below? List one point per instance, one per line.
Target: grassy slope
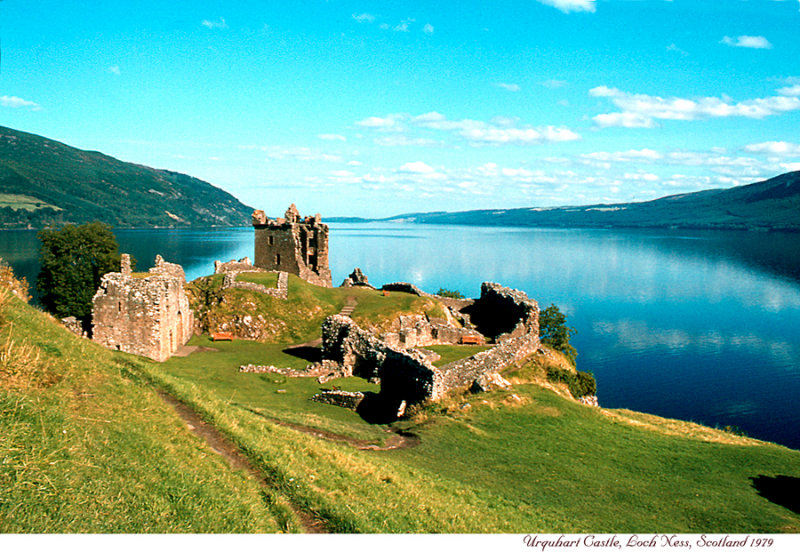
(299, 318)
(526, 460)
(65, 184)
(92, 448)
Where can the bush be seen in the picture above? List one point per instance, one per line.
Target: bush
(453, 294)
(554, 332)
(580, 384)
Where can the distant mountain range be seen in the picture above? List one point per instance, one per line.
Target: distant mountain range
(44, 182)
(773, 204)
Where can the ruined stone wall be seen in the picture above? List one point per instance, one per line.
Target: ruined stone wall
(503, 313)
(143, 315)
(242, 265)
(404, 375)
(465, 371)
(418, 330)
(294, 245)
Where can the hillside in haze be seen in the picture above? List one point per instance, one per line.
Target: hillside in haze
(773, 204)
(44, 182)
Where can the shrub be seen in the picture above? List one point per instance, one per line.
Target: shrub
(453, 294)
(580, 384)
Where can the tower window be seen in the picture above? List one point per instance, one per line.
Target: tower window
(271, 240)
(278, 259)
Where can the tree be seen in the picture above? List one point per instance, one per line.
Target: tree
(554, 332)
(73, 260)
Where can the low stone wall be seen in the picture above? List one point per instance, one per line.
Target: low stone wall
(345, 399)
(280, 292)
(242, 265)
(465, 371)
(417, 330)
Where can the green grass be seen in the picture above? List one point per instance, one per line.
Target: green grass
(525, 460)
(93, 448)
(299, 318)
(266, 279)
(452, 353)
(24, 202)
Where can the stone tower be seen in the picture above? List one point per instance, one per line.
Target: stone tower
(293, 244)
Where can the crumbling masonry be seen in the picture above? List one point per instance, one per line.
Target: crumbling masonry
(294, 245)
(506, 315)
(144, 314)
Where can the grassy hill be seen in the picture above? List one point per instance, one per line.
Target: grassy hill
(44, 182)
(772, 204)
(88, 446)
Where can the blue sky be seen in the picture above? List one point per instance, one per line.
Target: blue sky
(375, 108)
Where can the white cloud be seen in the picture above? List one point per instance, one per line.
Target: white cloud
(499, 132)
(332, 137)
(217, 24)
(627, 120)
(16, 103)
(388, 123)
(417, 167)
(674, 48)
(790, 90)
(508, 86)
(427, 29)
(402, 27)
(397, 139)
(567, 6)
(114, 69)
(629, 156)
(639, 110)
(745, 41)
(364, 17)
(554, 83)
(775, 148)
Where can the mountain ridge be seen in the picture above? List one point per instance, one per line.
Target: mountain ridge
(44, 182)
(769, 205)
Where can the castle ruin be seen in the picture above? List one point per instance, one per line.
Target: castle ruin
(145, 314)
(293, 244)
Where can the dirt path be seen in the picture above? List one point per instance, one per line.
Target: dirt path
(225, 448)
(397, 440)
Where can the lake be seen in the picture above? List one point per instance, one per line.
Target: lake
(701, 326)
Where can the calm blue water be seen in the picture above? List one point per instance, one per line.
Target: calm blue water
(701, 326)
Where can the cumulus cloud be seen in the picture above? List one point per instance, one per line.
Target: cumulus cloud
(790, 90)
(216, 24)
(114, 70)
(568, 6)
(15, 102)
(332, 137)
(427, 29)
(508, 86)
(775, 148)
(640, 110)
(746, 41)
(554, 83)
